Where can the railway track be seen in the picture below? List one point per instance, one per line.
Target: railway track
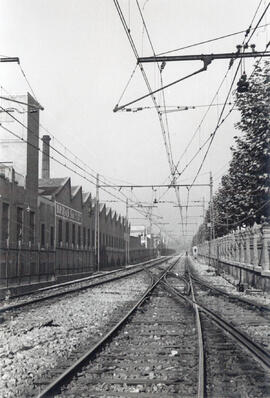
(151, 351)
(240, 370)
(250, 318)
(77, 286)
(128, 365)
(51, 335)
(162, 348)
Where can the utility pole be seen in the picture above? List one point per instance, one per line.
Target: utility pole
(97, 253)
(211, 215)
(150, 221)
(212, 206)
(127, 235)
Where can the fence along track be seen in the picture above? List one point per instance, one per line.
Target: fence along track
(84, 279)
(55, 386)
(233, 297)
(76, 289)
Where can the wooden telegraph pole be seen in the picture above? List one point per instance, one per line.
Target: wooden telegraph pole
(97, 251)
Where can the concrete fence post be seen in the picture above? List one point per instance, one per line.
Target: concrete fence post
(232, 246)
(247, 246)
(242, 249)
(215, 248)
(265, 246)
(255, 235)
(237, 247)
(222, 247)
(227, 247)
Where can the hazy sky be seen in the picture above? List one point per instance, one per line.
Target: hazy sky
(78, 60)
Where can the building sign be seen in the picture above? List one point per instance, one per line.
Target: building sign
(66, 212)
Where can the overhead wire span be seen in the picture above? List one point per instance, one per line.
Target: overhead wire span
(202, 146)
(176, 108)
(140, 211)
(118, 8)
(152, 92)
(170, 156)
(220, 121)
(201, 122)
(143, 213)
(168, 145)
(128, 82)
(27, 81)
(53, 136)
(63, 155)
(209, 41)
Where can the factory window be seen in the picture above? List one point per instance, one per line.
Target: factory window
(52, 236)
(42, 235)
(60, 231)
(5, 221)
(32, 227)
(67, 233)
(88, 238)
(73, 234)
(79, 235)
(19, 223)
(84, 237)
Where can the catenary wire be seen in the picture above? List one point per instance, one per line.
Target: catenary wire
(209, 41)
(72, 170)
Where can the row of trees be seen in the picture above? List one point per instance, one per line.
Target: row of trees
(243, 196)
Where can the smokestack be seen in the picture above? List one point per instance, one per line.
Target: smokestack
(45, 171)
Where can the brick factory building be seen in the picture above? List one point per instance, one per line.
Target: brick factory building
(48, 229)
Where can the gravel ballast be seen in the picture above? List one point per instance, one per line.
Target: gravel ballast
(254, 323)
(226, 282)
(36, 339)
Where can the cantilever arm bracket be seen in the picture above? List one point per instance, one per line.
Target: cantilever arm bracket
(206, 62)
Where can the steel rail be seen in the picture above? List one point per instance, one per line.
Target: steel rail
(53, 387)
(201, 370)
(84, 279)
(231, 296)
(74, 290)
(201, 375)
(258, 352)
(223, 292)
(181, 278)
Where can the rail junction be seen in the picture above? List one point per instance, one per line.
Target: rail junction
(170, 342)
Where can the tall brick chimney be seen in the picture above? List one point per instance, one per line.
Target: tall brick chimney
(45, 170)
